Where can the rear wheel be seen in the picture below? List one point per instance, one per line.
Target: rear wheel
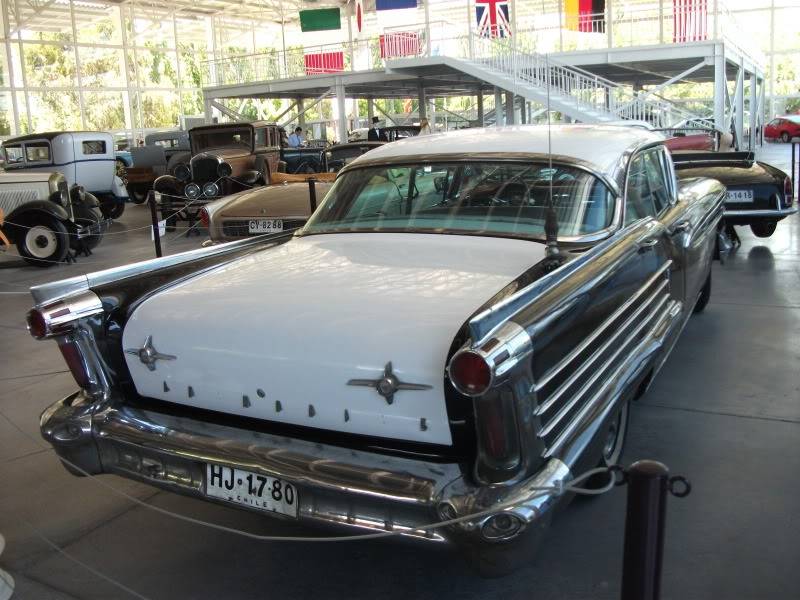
(85, 217)
(785, 137)
(763, 229)
(138, 192)
(44, 241)
(705, 296)
(613, 443)
(112, 207)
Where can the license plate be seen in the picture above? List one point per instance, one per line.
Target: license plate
(251, 489)
(265, 225)
(739, 196)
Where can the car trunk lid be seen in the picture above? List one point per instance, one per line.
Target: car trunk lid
(281, 335)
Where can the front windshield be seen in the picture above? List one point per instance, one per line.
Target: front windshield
(239, 138)
(480, 197)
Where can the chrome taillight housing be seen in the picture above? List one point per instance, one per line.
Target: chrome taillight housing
(66, 321)
(788, 192)
(484, 372)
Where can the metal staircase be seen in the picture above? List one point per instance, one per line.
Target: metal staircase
(576, 93)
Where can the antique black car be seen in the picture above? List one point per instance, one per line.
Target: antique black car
(759, 195)
(339, 155)
(226, 158)
(46, 219)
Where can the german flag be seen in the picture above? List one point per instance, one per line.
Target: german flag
(585, 15)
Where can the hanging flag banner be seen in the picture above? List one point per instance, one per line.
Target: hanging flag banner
(492, 18)
(359, 15)
(592, 16)
(394, 4)
(585, 15)
(321, 19)
(691, 20)
(317, 63)
(401, 43)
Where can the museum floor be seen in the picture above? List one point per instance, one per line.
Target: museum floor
(725, 412)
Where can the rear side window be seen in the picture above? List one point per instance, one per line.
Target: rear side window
(37, 152)
(14, 154)
(94, 147)
(647, 193)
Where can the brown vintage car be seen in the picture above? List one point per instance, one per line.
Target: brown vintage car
(281, 206)
(225, 159)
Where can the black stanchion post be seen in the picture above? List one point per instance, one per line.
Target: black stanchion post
(154, 220)
(648, 483)
(312, 193)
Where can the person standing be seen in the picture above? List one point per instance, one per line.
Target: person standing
(374, 134)
(296, 139)
(424, 127)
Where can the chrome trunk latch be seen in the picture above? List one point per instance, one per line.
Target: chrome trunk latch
(148, 355)
(389, 384)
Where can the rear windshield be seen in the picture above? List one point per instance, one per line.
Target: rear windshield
(239, 138)
(492, 198)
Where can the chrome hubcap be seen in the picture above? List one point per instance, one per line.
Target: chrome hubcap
(41, 241)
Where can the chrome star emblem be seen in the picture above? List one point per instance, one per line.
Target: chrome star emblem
(389, 384)
(148, 355)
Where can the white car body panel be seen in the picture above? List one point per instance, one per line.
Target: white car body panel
(300, 320)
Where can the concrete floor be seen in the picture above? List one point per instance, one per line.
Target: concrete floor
(725, 412)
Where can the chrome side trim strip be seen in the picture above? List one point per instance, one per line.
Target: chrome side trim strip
(578, 419)
(783, 212)
(555, 370)
(556, 395)
(558, 417)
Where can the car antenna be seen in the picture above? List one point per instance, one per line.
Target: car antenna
(553, 258)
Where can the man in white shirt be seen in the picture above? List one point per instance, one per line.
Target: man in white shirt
(296, 139)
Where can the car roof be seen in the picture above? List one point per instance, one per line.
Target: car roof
(253, 124)
(50, 135)
(601, 146)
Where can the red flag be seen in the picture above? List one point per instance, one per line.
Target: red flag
(324, 62)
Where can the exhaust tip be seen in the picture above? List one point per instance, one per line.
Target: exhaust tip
(502, 526)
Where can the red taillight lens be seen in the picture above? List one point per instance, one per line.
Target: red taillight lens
(788, 192)
(470, 373)
(74, 359)
(37, 326)
(204, 217)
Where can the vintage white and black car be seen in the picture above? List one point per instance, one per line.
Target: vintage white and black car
(758, 194)
(45, 219)
(85, 158)
(466, 317)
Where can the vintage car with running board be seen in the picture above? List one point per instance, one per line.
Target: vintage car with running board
(284, 205)
(758, 194)
(464, 320)
(225, 158)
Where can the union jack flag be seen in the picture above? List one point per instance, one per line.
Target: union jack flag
(492, 17)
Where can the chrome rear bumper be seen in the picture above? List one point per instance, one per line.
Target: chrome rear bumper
(762, 213)
(337, 486)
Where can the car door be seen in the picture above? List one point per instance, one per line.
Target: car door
(649, 192)
(94, 163)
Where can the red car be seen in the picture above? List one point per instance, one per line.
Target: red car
(783, 128)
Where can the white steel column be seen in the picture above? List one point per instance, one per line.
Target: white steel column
(15, 128)
(509, 108)
(720, 88)
(341, 117)
(754, 110)
(738, 106)
(422, 108)
(498, 107)
(480, 106)
(301, 113)
(370, 111)
(428, 41)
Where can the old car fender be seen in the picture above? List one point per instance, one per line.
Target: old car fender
(167, 184)
(37, 207)
(118, 189)
(251, 177)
